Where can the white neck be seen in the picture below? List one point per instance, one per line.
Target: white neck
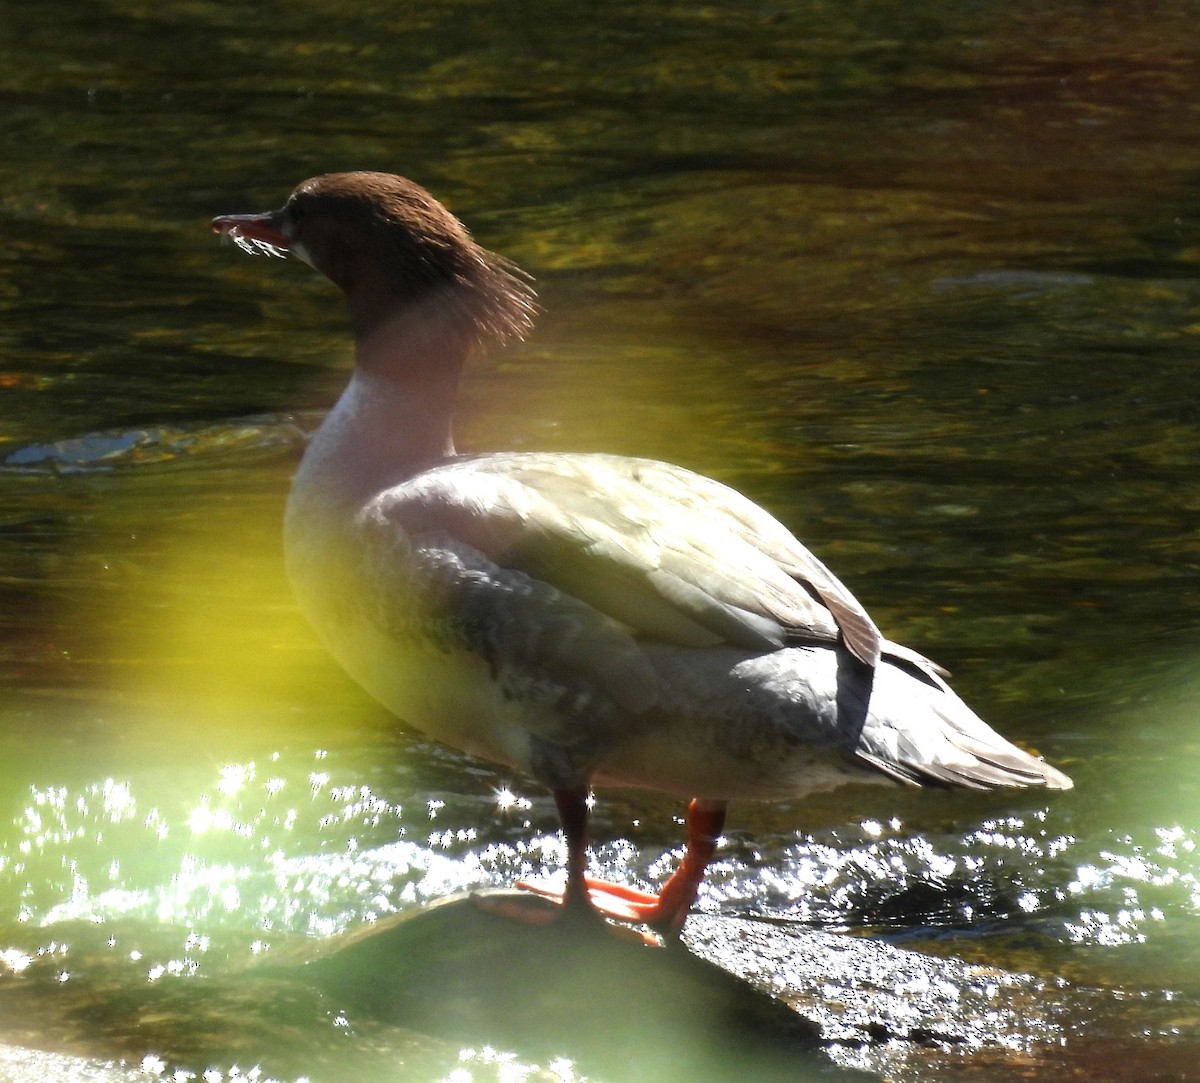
(377, 433)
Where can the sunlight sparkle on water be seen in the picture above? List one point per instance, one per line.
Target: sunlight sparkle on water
(15, 960)
(234, 777)
(1174, 839)
(118, 800)
(505, 1067)
(203, 819)
(1135, 886)
(507, 801)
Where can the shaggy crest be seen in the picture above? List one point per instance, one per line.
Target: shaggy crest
(351, 224)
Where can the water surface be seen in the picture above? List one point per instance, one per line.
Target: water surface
(922, 279)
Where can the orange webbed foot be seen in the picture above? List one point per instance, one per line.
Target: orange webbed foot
(617, 902)
(664, 912)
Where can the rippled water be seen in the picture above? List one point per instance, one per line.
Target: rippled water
(922, 280)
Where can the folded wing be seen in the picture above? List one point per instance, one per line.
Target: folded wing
(670, 554)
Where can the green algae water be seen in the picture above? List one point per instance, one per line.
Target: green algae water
(922, 279)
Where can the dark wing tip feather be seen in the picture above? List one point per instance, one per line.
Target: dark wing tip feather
(861, 637)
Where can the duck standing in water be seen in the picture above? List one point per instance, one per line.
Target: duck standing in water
(587, 619)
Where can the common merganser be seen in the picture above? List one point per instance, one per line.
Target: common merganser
(587, 619)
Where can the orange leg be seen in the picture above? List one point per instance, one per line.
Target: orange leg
(665, 912)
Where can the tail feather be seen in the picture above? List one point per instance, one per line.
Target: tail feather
(950, 745)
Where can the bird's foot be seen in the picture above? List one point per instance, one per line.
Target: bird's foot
(547, 905)
(525, 909)
(665, 913)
